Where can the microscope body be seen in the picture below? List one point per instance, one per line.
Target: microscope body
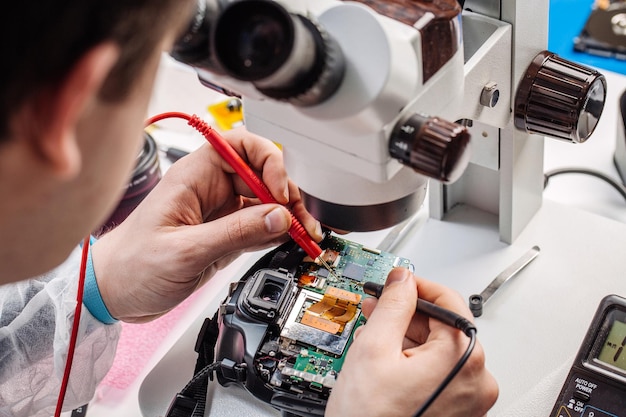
(402, 58)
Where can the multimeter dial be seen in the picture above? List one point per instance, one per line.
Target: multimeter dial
(596, 383)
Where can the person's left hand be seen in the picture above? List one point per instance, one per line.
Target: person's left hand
(198, 218)
(399, 358)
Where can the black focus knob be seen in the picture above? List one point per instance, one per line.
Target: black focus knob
(431, 146)
(559, 98)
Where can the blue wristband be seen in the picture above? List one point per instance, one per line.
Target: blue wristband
(92, 299)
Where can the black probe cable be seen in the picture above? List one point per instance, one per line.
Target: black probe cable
(620, 188)
(445, 316)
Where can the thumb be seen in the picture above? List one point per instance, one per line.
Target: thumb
(388, 323)
(248, 228)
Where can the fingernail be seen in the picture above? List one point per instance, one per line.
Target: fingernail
(318, 229)
(397, 275)
(275, 221)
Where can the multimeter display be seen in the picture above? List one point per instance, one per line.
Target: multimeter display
(614, 347)
(596, 383)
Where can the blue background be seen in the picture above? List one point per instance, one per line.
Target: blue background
(567, 18)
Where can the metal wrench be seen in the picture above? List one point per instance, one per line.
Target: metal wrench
(477, 301)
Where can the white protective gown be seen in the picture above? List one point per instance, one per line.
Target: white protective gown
(35, 326)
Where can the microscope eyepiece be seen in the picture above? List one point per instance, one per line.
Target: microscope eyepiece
(193, 46)
(254, 39)
(286, 56)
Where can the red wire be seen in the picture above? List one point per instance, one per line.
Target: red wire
(297, 231)
(74, 336)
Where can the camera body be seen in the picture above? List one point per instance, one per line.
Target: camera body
(288, 323)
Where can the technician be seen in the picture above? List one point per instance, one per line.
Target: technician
(75, 82)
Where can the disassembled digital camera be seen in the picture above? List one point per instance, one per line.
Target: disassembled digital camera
(288, 322)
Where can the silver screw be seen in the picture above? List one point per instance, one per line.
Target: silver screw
(490, 94)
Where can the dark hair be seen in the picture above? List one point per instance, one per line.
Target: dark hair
(40, 41)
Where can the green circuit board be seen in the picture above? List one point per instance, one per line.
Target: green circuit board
(319, 343)
(352, 265)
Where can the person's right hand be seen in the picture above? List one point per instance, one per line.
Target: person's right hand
(198, 218)
(399, 358)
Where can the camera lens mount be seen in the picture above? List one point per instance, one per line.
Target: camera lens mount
(145, 176)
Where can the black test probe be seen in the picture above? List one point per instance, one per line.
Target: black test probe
(445, 316)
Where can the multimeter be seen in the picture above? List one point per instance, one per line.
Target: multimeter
(596, 383)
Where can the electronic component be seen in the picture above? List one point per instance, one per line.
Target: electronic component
(309, 329)
(227, 114)
(286, 350)
(354, 271)
(596, 383)
(604, 33)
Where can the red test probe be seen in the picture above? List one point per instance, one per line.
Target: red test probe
(297, 232)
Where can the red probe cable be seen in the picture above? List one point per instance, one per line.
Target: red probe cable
(74, 336)
(296, 230)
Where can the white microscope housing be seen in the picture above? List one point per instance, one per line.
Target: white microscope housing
(371, 98)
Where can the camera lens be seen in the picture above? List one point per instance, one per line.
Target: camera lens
(271, 292)
(286, 56)
(145, 177)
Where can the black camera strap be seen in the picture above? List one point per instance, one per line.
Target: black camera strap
(191, 400)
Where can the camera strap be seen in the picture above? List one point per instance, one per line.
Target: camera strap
(191, 400)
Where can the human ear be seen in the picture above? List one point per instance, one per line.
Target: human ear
(57, 110)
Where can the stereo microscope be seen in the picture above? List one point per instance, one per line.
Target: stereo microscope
(372, 98)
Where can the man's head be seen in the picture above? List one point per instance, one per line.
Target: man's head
(75, 84)
(43, 40)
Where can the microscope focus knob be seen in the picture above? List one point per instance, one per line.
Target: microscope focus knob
(559, 98)
(431, 146)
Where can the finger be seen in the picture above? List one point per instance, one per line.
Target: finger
(443, 297)
(389, 321)
(246, 229)
(424, 329)
(265, 158)
(368, 305)
(312, 226)
(417, 332)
